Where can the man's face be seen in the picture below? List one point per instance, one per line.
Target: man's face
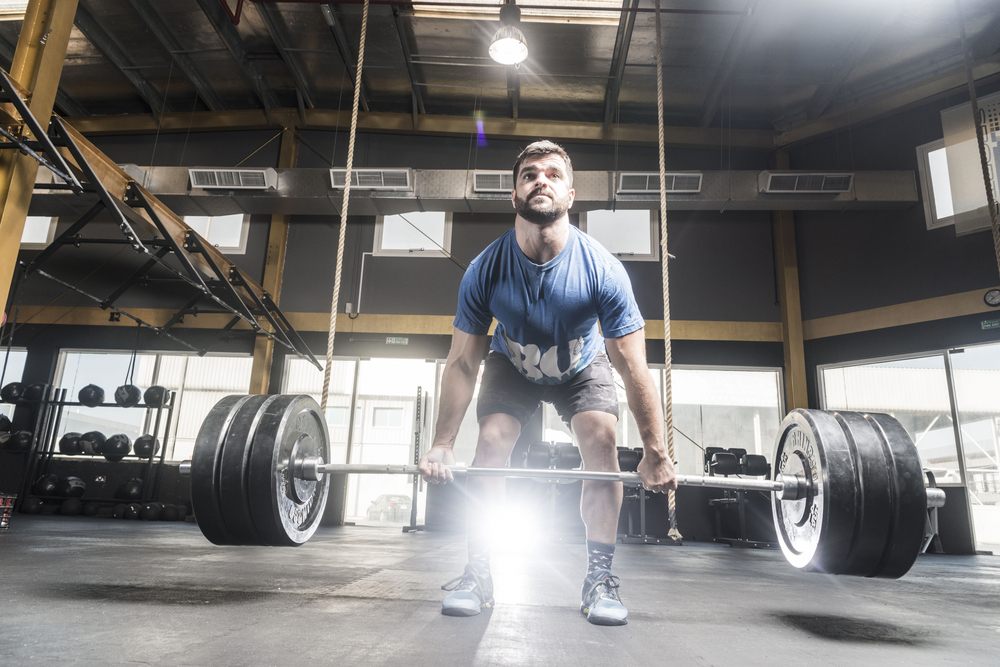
(542, 193)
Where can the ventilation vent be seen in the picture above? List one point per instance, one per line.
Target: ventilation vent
(493, 181)
(233, 179)
(799, 183)
(649, 182)
(374, 179)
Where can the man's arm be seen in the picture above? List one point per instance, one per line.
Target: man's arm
(628, 355)
(458, 382)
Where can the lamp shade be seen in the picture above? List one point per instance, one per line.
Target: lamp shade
(508, 46)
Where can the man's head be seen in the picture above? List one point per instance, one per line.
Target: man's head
(543, 183)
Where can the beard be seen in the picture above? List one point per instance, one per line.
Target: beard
(544, 213)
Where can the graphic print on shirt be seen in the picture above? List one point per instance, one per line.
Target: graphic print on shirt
(544, 368)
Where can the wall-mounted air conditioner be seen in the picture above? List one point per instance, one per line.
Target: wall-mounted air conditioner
(233, 179)
(374, 179)
(804, 183)
(648, 182)
(493, 181)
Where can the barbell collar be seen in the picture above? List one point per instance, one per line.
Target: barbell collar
(935, 497)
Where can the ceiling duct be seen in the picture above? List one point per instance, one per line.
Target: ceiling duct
(493, 181)
(374, 179)
(642, 182)
(233, 179)
(778, 182)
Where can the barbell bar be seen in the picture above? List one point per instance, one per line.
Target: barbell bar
(848, 494)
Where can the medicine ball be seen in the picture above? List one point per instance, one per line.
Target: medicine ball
(20, 441)
(46, 485)
(128, 395)
(72, 487)
(131, 490)
(156, 396)
(91, 395)
(32, 505)
(116, 447)
(182, 512)
(13, 392)
(5, 425)
(91, 509)
(35, 392)
(169, 513)
(119, 511)
(70, 443)
(132, 511)
(92, 442)
(71, 507)
(151, 512)
(146, 446)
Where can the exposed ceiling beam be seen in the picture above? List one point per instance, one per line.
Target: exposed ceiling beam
(63, 100)
(856, 51)
(270, 16)
(345, 54)
(234, 44)
(408, 57)
(623, 40)
(104, 43)
(430, 124)
(729, 62)
(183, 61)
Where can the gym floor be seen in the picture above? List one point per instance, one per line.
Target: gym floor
(87, 591)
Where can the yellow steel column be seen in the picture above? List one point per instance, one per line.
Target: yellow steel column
(38, 62)
(274, 268)
(791, 305)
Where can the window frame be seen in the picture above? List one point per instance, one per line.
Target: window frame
(241, 249)
(654, 239)
(926, 186)
(377, 250)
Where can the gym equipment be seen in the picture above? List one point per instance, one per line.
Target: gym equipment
(169, 513)
(91, 396)
(131, 490)
(156, 396)
(118, 511)
(31, 505)
(91, 509)
(151, 512)
(848, 493)
(116, 447)
(146, 446)
(35, 392)
(132, 511)
(72, 487)
(19, 441)
(92, 442)
(128, 395)
(13, 392)
(5, 425)
(69, 444)
(46, 485)
(71, 507)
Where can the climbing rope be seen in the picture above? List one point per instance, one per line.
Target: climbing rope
(343, 210)
(668, 411)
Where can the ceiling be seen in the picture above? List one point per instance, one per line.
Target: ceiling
(745, 64)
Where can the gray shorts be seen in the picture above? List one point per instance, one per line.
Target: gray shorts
(504, 390)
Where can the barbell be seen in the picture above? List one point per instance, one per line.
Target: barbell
(848, 494)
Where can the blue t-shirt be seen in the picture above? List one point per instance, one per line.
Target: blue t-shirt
(548, 313)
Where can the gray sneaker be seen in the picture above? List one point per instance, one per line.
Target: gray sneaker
(601, 603)
(471, 593)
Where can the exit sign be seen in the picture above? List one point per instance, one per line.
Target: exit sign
(991, 324)
(396, 341)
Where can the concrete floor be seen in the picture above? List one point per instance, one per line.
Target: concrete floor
(88, 591)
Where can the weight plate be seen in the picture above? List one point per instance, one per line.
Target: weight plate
(909, 497)
(206, 468)
(874, 520)
(235, 471)
(816, 532)
(287, 510)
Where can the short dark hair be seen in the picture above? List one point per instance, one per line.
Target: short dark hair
(540, 148)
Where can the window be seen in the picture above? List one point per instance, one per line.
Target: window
(13, 368)
(38, 232)
(387, 417)
(414, 234)
(228, 233)
(627, 234)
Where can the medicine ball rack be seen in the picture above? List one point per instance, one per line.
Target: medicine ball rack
(48, 418)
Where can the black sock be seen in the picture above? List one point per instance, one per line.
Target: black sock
(599, 556)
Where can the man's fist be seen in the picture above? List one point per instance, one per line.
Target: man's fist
(433, 465)
(657, 473)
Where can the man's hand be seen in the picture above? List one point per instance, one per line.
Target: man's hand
(657, 473)
(432, 465)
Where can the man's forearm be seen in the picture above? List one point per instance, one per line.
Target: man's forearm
(645, 406)
(457, 386)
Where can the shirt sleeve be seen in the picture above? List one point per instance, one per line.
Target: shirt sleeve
(617, 310)
(473, 315)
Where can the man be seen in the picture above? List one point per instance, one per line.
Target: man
(548, 285)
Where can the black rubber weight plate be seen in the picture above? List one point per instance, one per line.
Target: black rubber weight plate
(235, 471)
(287, 511)
(206, 467)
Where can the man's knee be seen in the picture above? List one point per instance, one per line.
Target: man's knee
(498, 434)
